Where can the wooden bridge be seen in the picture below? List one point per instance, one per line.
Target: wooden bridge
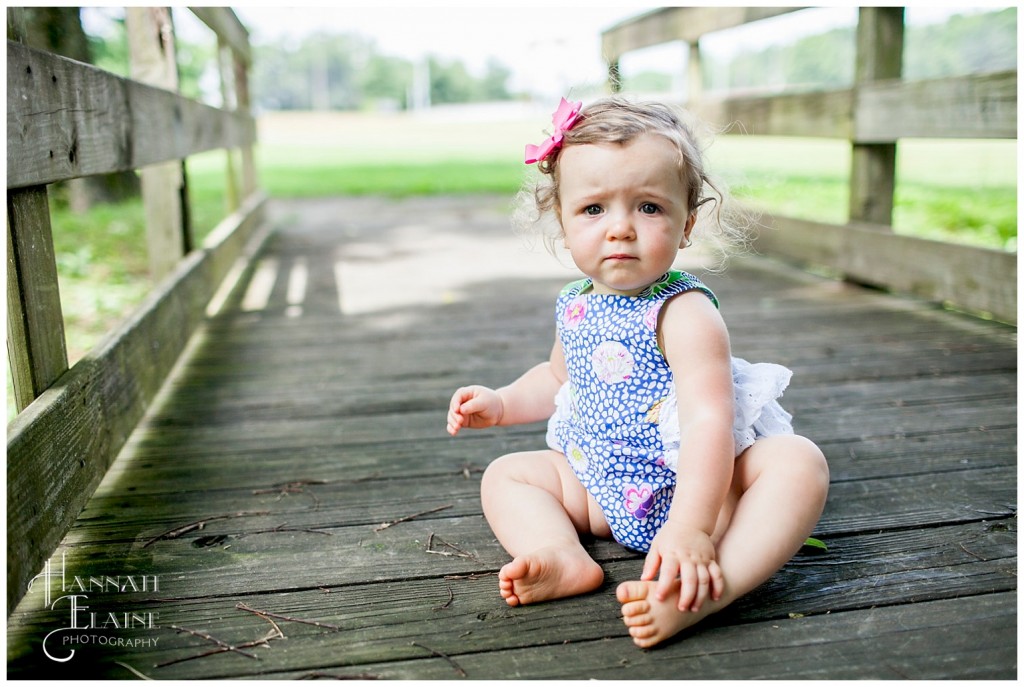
(252, 478)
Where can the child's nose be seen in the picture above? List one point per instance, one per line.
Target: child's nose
(620, 227)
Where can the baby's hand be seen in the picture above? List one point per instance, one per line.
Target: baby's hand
(474, 407)
(685, 554)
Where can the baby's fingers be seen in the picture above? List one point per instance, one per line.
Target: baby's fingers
(688, 586)
(651, 566)
(668, 578)
(717, 581)
(698, 584)
(454, 422)
(458, 408)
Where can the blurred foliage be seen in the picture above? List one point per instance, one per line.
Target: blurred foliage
(647, 82)
(966, 43)
(110, 52)
(346, 71)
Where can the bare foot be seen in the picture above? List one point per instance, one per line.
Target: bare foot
(549, 573)
(650, 621)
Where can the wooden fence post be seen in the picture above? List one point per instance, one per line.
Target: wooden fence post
(873, 165)
(243, 104)
(35, 323)
(614, 77)
(152, 58)
(694, 77)
(225, 68)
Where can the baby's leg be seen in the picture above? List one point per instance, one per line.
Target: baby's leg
(781, 483)
(537, 509)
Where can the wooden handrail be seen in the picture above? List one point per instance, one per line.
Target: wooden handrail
(65, 120)
(976, 106)
(687, 24)
(878, 111)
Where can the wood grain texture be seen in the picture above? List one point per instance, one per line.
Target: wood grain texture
(66, 119)
(60, 447)
(35, 322)
(975, 279)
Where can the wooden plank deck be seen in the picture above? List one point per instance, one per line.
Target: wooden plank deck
(294, 430)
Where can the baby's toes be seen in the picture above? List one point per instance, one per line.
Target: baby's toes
(637, 615)
(641, 632)
(634, 590)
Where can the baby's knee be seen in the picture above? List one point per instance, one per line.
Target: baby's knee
(527, 468)
(793, 458)
(807, 460)
(499, 470)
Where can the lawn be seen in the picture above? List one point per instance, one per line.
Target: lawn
(963, 191)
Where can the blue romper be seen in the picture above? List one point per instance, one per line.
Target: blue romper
(616, 419)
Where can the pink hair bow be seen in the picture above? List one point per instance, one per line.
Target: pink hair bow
(563, 119)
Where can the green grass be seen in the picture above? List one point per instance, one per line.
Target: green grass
(957, 191)
(961, 191)
(392, 179)
(982, 216)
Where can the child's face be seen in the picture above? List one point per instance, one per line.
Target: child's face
(623, 211)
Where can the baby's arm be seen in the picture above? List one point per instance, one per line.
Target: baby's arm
(696, 345)
(529, 398)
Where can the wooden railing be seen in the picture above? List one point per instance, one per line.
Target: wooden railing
(878, 111)
(65, 120)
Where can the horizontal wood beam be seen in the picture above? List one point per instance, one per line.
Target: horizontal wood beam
(59, 448)
(226, 25)
(972, 106)
(678, 23)
(66, 119)
(821, 114)
(974, 279)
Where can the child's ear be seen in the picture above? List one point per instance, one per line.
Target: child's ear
(690, 221)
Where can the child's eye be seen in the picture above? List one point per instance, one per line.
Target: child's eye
(649, 209)
(592, 210)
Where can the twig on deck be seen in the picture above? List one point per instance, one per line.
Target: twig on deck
(471, 576)
(435, 652)
(277, 628)
(971, 553)
(176, 532)
(331, 676)
(137, 673)
(295, 487)
(455, 551)
(267, 614)
(407, 518)
(222, 646)
(219, 650)
(210, 638)
(446, 604)
(468, 468)
(283, 527)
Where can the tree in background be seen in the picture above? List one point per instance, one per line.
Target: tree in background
(348, 72)
(966, 43)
